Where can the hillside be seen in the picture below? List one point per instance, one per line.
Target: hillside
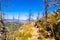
(38, 30)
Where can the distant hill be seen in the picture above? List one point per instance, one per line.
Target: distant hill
(15, 20)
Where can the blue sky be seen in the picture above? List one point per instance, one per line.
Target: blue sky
(21, 7)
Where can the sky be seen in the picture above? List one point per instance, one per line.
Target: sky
(21, 8)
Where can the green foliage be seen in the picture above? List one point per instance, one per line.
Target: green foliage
(13, 26)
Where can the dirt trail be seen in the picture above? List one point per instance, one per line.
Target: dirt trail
(34, 33)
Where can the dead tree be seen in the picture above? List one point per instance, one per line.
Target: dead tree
(12, 25)
(46, 9)
(2, 25)
(3, 29)
(30, 15)
(38, 15)
(56, 2)
(19, 20)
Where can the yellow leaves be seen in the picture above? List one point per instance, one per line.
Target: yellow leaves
(16, 34)
(49, 20)
(27, 26)
(32, 24)
(41, 37)
(18, 38)
(23, 33)
(10, 37)
(26, 33)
